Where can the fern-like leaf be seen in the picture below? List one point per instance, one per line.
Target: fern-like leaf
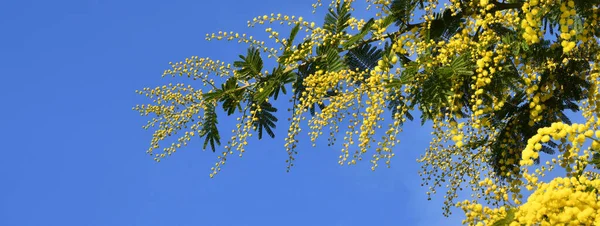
(363, 57)
(209, 127)
(265, 119)
(336, 21)
(251, 65)
(330, 59)
(401, 11)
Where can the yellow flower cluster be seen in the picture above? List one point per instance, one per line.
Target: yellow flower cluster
(243, 38)
(171, 116)
(567, 17)
(317, 85)
(537, 106)
(380, 6)
(532, 21)
(282, 19)
(567, 201)
(562, 201)
(576, 134)
(374, 107)
(456, 136)
(479, 215)
(485, 5)
(199, 68)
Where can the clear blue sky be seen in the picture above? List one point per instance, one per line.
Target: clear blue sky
(73, 151)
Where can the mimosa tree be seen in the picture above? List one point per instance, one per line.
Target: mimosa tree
(494, 77)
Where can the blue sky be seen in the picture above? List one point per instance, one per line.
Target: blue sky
(73, 151)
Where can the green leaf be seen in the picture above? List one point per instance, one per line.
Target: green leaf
(288, 47)
(263, 92)
(583, 7)
(272, 84)
(387, 21)
(337, 21)
(209, 127)
(232, 96)
(407, 75)
(443, 26)
(590, 188)
(363, 57)
(596, 160)
(395, 101)
(281, 79)
(401, 11)
(329, 59)
(266, 119)
(462, 66)
(251, 65)
(293, 34)
(394, 83)
(212, 96)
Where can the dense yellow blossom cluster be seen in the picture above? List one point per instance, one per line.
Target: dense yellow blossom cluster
(567, 20)
(487, 73)
(562, 201)
(532, 21)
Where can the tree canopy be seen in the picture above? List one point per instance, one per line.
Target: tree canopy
(494, 77)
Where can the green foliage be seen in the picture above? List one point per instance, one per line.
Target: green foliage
(265, 119)
(434, 84)
(251, 65)
(275, 83)
(290, 42)
(513, 118)
(329, 58)
(401, 11)
(363, 57)
(336, 21)
(209, 128)
(596, 160)
(444, 26)
(396, 102)
(230, 95)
